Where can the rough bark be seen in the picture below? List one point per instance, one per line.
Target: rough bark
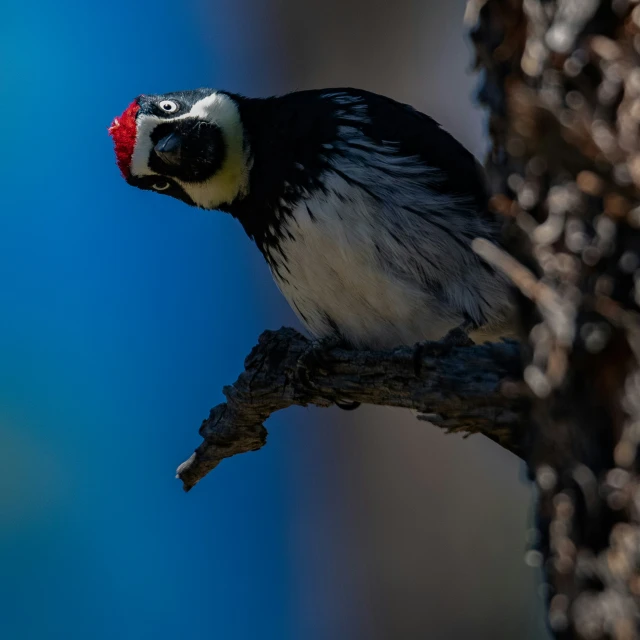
(562, 85)
(453, 384)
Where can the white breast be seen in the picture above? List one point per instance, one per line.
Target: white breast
(379, 256)
(338, 275)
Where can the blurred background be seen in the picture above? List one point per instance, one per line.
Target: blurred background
(124, 313)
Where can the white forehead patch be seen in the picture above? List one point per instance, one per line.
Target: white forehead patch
(231, 179)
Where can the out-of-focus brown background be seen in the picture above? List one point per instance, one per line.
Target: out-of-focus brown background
(402, 532)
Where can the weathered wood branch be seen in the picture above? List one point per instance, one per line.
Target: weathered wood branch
(470, 388)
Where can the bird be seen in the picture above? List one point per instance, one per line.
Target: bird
(363, 207)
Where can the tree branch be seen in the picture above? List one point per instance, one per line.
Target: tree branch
(459, 388)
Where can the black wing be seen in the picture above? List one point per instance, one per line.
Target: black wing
(417, 134)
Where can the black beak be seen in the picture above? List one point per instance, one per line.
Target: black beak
(169, 149)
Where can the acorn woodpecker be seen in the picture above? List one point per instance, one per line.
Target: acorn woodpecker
(363, 208)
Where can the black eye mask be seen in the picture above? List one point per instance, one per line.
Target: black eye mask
(198, 149)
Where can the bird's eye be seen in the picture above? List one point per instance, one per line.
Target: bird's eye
(168, 106)
(163, 185)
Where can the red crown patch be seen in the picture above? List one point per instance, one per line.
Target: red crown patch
(123, 131)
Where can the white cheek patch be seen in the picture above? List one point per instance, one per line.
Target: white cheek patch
(232, 179)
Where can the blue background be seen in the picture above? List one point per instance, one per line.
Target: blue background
(122, 317)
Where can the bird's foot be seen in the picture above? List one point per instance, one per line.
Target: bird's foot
(347, 405)
(314, 358)
(314, 361)
(458, 337)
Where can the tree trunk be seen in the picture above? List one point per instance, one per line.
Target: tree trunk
(562, 86)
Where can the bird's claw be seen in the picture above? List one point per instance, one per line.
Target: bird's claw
(458, 337)
(314, 359)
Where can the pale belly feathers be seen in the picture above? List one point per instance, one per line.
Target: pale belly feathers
(378, 277)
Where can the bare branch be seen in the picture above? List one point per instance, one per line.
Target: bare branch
(459, 388)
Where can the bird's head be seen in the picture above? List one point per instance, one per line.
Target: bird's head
(189, 145)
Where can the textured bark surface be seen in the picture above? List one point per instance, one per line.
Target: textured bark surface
(562, 85)
(456, 385)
